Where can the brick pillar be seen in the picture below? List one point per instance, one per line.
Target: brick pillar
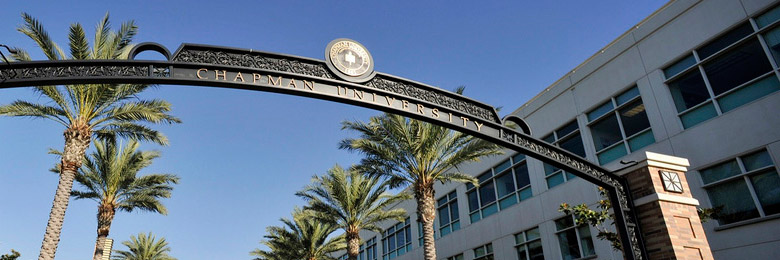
(666, 211)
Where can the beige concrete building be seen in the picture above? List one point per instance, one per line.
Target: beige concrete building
(695, 80)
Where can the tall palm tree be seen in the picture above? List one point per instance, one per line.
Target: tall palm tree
(144, 247)
(414, 153)
(87, 111)
(353, 202)
(110, 177)
(302, 238)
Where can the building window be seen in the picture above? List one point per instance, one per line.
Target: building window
(743, 188)
(484, 252)
(620, 126)
(343, 257)
(529, 245)
(727, 72)
(449, 220)
(568, 138)
(368, 250)
(500, 187)
(575, 241)
(397, 240)
(556, 176)
(456, 257)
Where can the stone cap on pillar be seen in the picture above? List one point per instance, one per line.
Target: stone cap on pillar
(657, 160)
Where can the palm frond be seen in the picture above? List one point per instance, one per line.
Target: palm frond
(27, 109)
(102, 32)
(20, 55)
(110, 131)
(144, 247)
(34, 29)
(79, 47)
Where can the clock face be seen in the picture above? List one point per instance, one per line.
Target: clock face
(350, 58)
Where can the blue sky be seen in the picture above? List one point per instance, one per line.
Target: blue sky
(241, 155)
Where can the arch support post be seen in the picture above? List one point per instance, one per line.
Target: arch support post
(665, 210)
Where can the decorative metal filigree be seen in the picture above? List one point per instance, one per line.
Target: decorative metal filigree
(419, 92)
(257, 61)
(74, 71)
(161, 72)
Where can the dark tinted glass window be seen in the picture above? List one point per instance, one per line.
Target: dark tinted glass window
(505, 184)
(550, 138)
(678, 67)
(573, 144)
(485, 176)
(724, 41)
(634, 118)
(606, 132)
(563, 131)
(487, 193)
(521, 175)
(736, 67)
(473, 201)
(689, 90)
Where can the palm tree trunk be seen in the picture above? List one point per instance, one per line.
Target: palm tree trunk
(353, 244)
(76, 144)
(105, 216)
(426, 212)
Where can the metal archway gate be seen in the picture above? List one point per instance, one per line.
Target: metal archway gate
(346, 77)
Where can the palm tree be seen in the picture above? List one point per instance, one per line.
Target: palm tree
(352, 202)
(110, 176)
(144, 247)
(413, 153)
(302, 238)
(87, 111)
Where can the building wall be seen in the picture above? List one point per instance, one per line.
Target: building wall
(637, 58)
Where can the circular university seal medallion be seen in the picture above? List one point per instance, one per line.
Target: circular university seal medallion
(349, 60)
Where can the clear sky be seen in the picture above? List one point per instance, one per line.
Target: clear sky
(241, 154)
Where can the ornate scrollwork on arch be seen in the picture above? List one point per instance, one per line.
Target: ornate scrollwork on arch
(253, 60)
(73, 71)
(408, 89)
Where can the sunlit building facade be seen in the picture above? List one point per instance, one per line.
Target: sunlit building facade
(696, 79)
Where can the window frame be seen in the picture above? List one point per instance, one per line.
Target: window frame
(452, 199)
(556, 140)
(456, 257)
(489, 253)
(364, 253)
(698, 65)
(579, 237)
(514, 161)
(407, 246)
(526, 241)
(615, 111)
(744, 175)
